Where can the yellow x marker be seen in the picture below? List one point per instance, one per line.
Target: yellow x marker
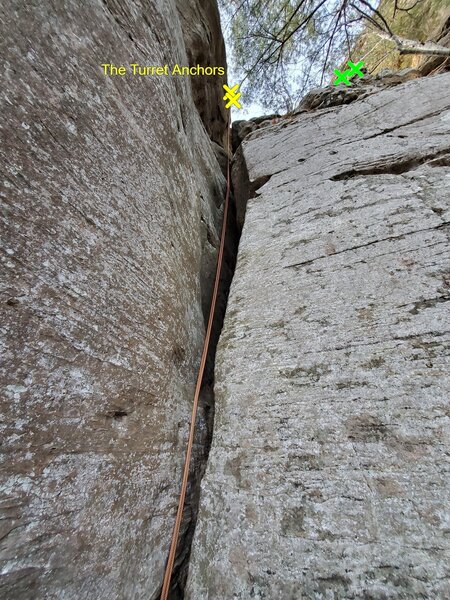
(231, 96)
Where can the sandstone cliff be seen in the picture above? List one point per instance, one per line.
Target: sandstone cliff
(111, 206)
(205, 45)
(328, 475)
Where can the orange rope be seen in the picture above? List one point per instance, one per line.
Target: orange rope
(176, 529)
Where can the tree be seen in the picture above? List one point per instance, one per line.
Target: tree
(282, 48)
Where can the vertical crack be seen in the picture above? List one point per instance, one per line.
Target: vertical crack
(205, 416)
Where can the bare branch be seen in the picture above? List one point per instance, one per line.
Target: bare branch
(423, 49)
(379, 15)
(404, 8)
(294, 31)
(405, 46)
(347, 37)
(368, 18)
(333, 33)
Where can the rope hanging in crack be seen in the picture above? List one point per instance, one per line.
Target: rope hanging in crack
(184, 483)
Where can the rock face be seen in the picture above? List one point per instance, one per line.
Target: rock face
(328, 474)
(335, 95)
(112, 203)
(205, 45)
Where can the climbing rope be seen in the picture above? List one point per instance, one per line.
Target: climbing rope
(187, 461)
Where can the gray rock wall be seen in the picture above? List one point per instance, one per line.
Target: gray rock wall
(200, 23)
(110, 209)
(328, 476)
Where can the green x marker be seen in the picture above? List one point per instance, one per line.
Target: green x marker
(344, 77)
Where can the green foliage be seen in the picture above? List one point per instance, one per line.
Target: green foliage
(421, 23)
(283, 48)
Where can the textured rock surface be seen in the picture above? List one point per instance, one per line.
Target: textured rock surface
(109, 232)
(335, 95)
(328, 474)
(205, 46)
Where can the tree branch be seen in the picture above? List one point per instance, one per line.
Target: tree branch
(405, 46)
(405, 9)
(379, 15)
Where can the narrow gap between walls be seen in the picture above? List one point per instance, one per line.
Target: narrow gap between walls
(205, 417)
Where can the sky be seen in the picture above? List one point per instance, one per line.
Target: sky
(249, 110)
